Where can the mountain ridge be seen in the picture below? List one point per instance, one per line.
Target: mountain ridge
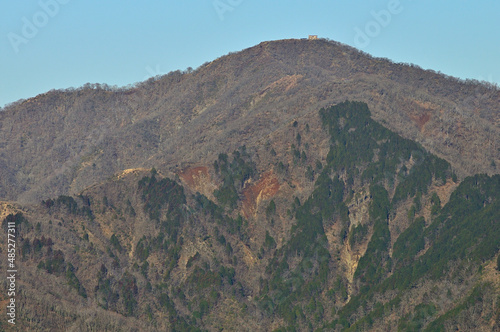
(262, 88)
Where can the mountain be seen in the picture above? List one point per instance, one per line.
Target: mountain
(295, 185)
(62, 141)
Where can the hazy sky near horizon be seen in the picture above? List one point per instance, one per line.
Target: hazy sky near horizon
(54, 44)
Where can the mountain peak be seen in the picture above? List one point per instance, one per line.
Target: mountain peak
(90, 133)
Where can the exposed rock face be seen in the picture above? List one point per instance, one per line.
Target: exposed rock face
(264, 189)
(358, 209)
(358, 215)
(198, 179)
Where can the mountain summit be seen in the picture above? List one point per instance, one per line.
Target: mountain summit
(62, 141)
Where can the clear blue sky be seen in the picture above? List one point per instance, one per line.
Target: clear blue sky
(51, 44)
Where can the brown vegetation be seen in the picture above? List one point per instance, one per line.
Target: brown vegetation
(62, 141)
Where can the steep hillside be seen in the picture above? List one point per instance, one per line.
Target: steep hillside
(61, 142)
(330, 221)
